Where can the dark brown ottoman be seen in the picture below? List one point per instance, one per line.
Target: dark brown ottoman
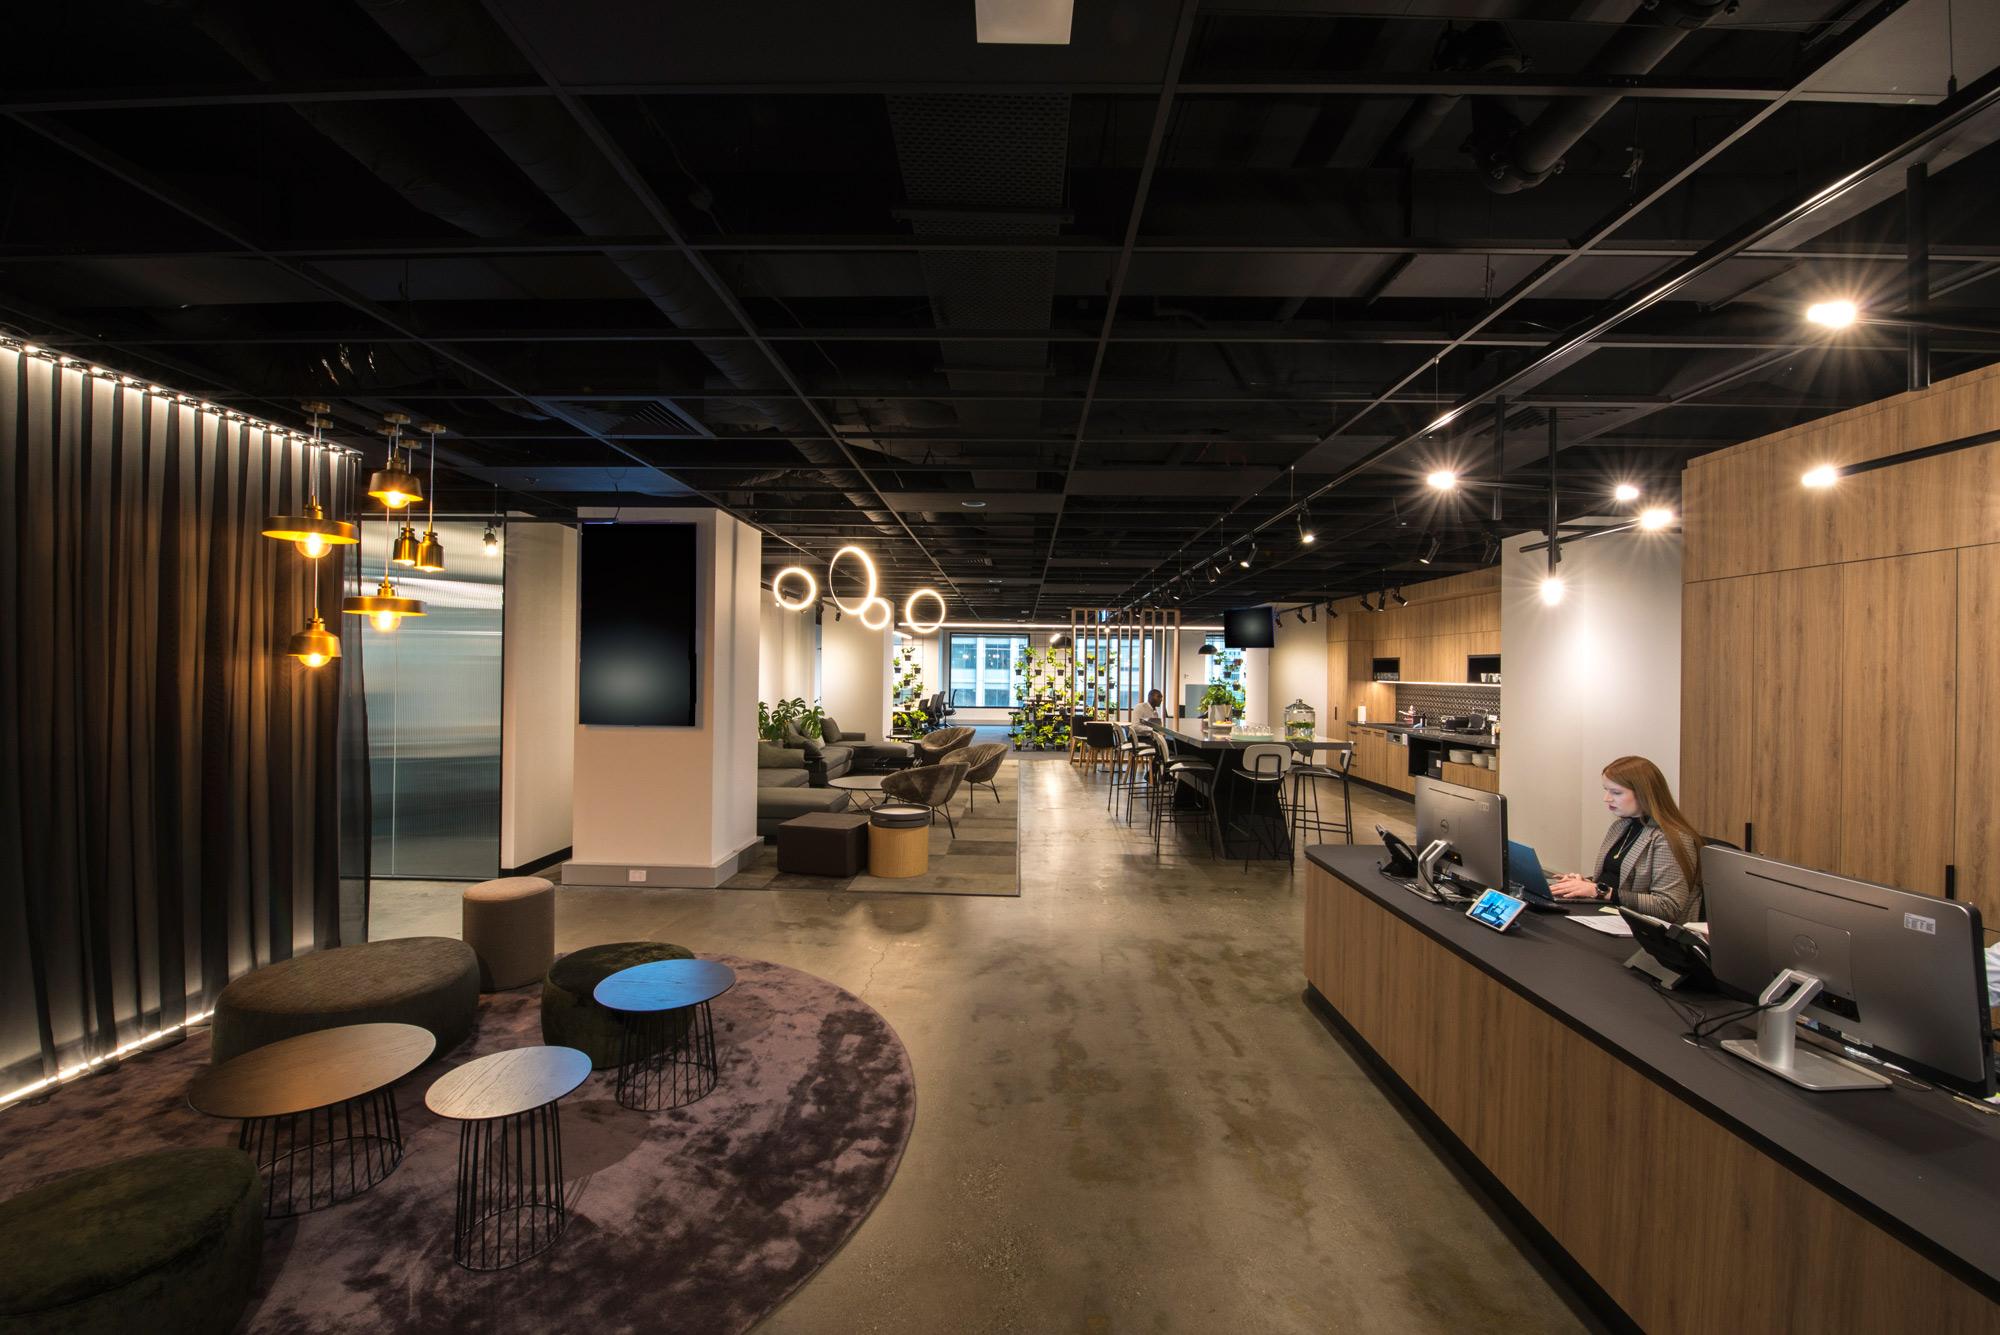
(832, 843)
(428, 981)
(571, 1018)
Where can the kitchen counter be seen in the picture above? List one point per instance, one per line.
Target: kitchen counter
(1474, 741)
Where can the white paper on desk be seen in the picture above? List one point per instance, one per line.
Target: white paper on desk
(1608, 923)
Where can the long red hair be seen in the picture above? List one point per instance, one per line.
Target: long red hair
(1642, 778)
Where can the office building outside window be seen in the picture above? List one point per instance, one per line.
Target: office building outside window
(981, 670)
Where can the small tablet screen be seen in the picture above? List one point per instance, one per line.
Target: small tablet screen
(1496, 910)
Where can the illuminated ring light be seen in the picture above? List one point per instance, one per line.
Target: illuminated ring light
(866, 598)
(875, 603)
(807, 599)
(910, 611)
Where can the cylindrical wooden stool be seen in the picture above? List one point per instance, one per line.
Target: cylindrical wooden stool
(899, 841)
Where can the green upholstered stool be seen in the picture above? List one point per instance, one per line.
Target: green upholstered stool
(164, 1243)
(430, 981)
(570, 1019)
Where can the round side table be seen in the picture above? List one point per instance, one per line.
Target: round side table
(510, 1178)
(318, 1113)
(899, 841)
(666, 1050)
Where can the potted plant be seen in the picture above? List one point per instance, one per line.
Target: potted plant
(1221, 704)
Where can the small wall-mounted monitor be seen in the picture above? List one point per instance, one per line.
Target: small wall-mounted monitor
(1386, 669)
(1249, 628)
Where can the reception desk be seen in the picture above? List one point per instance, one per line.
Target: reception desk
(1695, 1192)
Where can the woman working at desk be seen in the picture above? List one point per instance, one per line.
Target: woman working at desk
(1650, 861)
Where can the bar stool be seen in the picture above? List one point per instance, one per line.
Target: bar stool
(1076, 722)
(1100, 743)
(1265, 765)
(1198, 777)
(1305, 789)
(1124, 765)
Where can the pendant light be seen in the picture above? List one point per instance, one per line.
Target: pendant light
(394, 484)
(315, 646)
(386, 608)
(490, 539)
(430, 552)
(313, 533)
(404, 552)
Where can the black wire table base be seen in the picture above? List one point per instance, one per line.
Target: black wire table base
(666, 1059)
(510, 1189)
(311, 1160)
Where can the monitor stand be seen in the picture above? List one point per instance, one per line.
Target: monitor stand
(1776, 1047)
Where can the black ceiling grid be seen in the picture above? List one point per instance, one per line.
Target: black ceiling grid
(1041, 326)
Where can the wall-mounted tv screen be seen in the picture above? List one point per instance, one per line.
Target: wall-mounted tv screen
(636, 626)
(1248, 628)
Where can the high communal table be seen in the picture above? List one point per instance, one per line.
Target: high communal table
(1679, 1188)
(1240, 806)
(318, 1113)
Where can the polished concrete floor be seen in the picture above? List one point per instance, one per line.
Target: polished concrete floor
(1127, 1119)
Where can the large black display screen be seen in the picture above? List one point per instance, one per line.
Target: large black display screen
(1248, 628)
(636, 631)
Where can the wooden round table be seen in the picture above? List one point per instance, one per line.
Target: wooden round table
(510, 1178)
(666, 1051)
(317, 1107)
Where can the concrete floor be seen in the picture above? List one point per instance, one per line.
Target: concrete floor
(1127, 1119)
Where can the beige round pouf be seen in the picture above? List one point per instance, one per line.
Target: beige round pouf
(899, 841)
(511, 925)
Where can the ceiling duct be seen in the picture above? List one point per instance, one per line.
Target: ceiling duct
(1513, 157)
(448, 38)
(987, 167)
(1480, 48)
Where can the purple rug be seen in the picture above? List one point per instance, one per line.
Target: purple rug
(700, 1219)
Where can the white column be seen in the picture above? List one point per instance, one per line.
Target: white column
(677, 806)
(538, 691)
(854, 674)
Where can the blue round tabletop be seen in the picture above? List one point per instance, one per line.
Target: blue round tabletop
(664, 985)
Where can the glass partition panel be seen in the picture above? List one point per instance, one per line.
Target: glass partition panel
(434, 716)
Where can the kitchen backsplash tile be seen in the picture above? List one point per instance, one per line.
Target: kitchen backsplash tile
(1436, 702)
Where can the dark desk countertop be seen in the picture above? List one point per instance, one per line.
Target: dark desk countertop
(1471, 741)
(1917, 1162)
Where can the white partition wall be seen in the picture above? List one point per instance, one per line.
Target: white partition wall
(538, 692)
(854, 673)
(1586, 680)
(677, 806)
(1298, 669)
(787, 649)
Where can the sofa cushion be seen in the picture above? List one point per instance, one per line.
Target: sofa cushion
(829, 731)
(784, 778)
(774, 755)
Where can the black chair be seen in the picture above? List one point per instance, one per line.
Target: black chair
(1100, 743)
(1264, 766)
(1171, 776)
(1305, 809)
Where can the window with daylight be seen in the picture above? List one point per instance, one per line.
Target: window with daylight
(981, 670)
(1225, 664)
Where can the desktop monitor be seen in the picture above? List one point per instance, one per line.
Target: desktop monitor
(1248, 628)
(1472, 821)
(1901, 975)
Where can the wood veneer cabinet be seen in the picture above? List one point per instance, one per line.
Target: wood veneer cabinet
(1839, 691)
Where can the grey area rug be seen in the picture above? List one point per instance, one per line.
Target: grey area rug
(982, 858)
(700, 1219)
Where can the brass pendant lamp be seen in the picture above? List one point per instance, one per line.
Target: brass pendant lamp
(385, 608)
(312, 532)
(430, 552)
(394, 484)
(490, 539)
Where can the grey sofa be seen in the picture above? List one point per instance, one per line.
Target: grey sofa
(785, 789)
(867, 755)
(824, 760)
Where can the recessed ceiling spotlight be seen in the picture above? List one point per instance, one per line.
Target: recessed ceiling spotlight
(1833, 314)
(1625, 491)
(1655, 519)
(1443, 479)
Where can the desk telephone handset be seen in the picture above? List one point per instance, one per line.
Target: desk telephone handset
(1402, 861)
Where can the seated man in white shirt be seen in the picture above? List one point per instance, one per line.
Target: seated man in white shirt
(1148, 713)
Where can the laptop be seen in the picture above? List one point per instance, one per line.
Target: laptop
(1526, 880)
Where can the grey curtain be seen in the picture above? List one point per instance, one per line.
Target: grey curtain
(171, 786)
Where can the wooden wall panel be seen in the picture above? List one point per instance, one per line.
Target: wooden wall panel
(1718, 730)
(1796, 757)
(1976, 831)
(1899, 665)
(1701, 1232)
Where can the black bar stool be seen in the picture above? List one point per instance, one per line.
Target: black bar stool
(1265, 765)
(1305, 809)
(1197, 777)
